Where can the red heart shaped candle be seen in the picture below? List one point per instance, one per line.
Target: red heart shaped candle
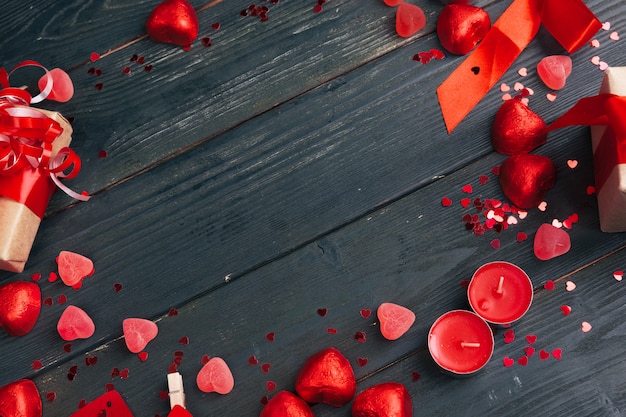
(389, 399)
(326, 377)
(286, 404)
(20, 305)
(517, 129)
(173, 21)
(20, 399)
(461, 26)
(525, 179)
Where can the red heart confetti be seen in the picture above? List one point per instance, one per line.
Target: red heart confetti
(549, 285)
(362, 361)
(109, 387)
(365, 313)
(591, 190)
(172, 312)
(566, 310)
(557, 353)
(509, 336)
(67, 347)
(48, 301)
(184, 340)
(618, 275)
(215, 376)
(265, 399)
(465, 202)
(483, 179)
(117, 287)
(51, 396)
(36, 276)
(322, 312)
(415, 376)
(102, 154)
(270, 336)
(531, 339)
(508, 361)
(360, 337)
(94, 56)
(495, 243)
(91, 360)
(446, 202)
(529, 350)
(521, 236)
(37, 365)
(523, 360)
(252, 360)
(124, 373)
(543, 354)
(205, 359)
(331, 330)
(52, 277)
(467, 188)
(143, 356)
(265, 367)
(270, 385)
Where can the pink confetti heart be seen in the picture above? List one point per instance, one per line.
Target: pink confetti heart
(618, 275)
(74, 324)
(506, 97)
(585, 327)
(542, 206)
(572, 163)
(595, 60)
(566, 310)
(556, 223)
(551, 97)
(602, 66)
(606, 26)
(395, 320)
(138, 333)
(522, 72)
(215, 376)
(614, 36)
(550, 242)
(504, 87)
(518, 86)
(553, 70)
(594, 43)
(570, 286)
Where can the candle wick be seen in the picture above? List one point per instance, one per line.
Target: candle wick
(500, 284)
(470, 344)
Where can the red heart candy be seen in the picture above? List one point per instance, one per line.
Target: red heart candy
(326, 377)
(173, 21)
(138, 333)
(286, 404)
(392, 3)
(215, 376)
(394, 320)
(74, 324)
(389, 399)
(409, 20)
(551, 242)
(73, 268)
(461, 26)
(20, 304)
(525, 179)
(62, 87)
(517, 129)
(554, 70)
(20, 399)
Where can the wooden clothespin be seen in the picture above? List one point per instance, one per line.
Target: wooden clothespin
(176, 393)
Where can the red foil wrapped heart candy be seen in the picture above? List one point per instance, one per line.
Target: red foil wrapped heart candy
(517, 129)
(286, 404)
(389, 399)
(461, 26)
(20, 399)
(525, 179)
(326, 377)
(20, 304)
(173, 21)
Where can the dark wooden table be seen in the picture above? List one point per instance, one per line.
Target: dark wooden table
(299, 164)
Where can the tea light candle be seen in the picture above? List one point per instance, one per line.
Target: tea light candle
(460, 342)
(500, 292)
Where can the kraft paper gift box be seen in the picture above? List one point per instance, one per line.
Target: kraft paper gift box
(609, 159)
(19, 222)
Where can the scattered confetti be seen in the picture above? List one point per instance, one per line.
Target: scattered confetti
(495, 243)
(594, 43)
(509, 336)
(270, 336)
(172, 312)
(551, 96)
(614, 36)
(566, 310)
(117, 287)
(184, 340)
(365, 313)
(415, 376)
(529, 350)
(522, 72)
(572, 163)
(543, 354)
(94, 56)
(51, 396)
(531, 339)
(549, 285)
(504, 87)
(585, 327)
(36, 277)
(143, 356)
(360, 337)
(265, 368)
(618, 275)
(102, 154)
(523, 360)
(606, 26)
(270, 385)
(508, 361)
(570, 286)
(331, 330)
(446, 202)
(467, 188)
(37, 365)
(557, 353)
(591, 190)
(322, 312)
(362, 361)
(67, 348)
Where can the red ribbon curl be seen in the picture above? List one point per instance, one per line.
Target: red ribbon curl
(29, 173)
(570, 22)
(606, 110)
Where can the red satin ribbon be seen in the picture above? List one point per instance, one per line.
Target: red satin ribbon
(29, 174)
(607, 110)
(570, 22)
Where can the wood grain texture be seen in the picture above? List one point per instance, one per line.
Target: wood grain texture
(320, 186)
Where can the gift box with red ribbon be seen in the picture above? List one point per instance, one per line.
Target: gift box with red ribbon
(606, 114)
(34, 155)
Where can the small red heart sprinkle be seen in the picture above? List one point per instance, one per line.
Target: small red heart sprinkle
(265, 367)
(73, 369)
(362, 361)
(530, 351)
(523, 360)
(322, 312)
(206, 41)
(509, 336)
(495, 170)
(36, 276)
(117, 287)
(178, 360)
(415, 376)
(143, 356)
(467, 188)
(102, 154)
(124, 373)
(549, 285)
(82, 403)
(331, 330)
(566, 310)
(591, 190)
(94, 56)
(446, 202)
(164, 394)
(109, 387)
(252, 360)
(495, 243)
(543, 355)
(465, 202)
(179, 353)
(115, 372)
(172, 368)
(67, 347)
(51, 396)
(62, 299)
(173, 312)
(270, 336)
(464, 283)
(270, 385)
(184, 340)
(147, 68)
(557, 353)
(483, 179)
(205, 359)
(99, 86)
(531, 339)
(37, 364)
(91, 360)
(52, 277)
(360, 337)
(521, 236)
(508, 361)
(126, 70)
(264, 400)
(365, 313)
